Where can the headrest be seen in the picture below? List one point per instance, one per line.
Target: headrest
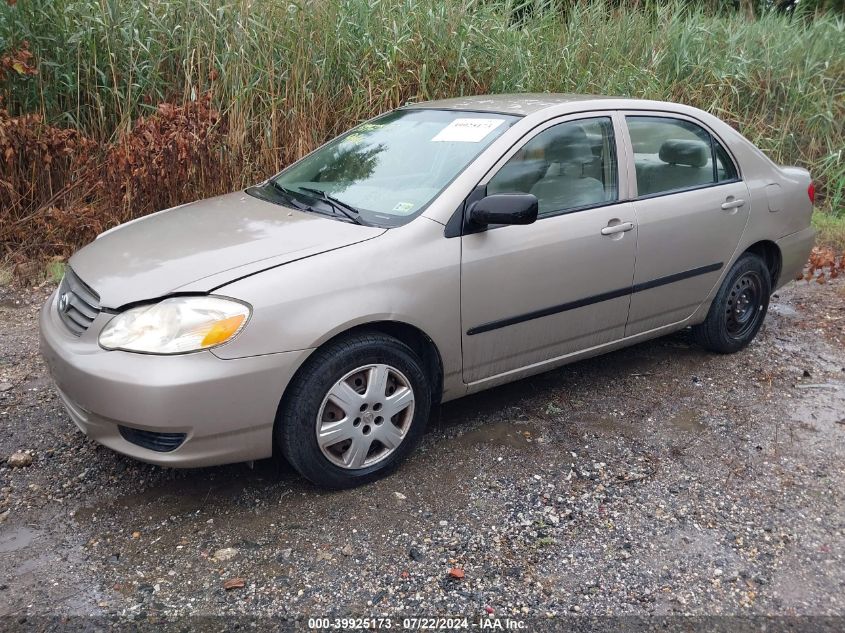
(569, 145)
(677, 151)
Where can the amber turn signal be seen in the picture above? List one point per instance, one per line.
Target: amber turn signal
(223, 330)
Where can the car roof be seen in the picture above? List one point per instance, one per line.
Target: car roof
(519, 104)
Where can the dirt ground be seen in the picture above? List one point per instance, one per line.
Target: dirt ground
(656, 480)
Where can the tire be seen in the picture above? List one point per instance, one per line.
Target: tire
(739, 309)
(336, 394)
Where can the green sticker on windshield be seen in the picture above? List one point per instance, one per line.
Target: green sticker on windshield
(403, 207)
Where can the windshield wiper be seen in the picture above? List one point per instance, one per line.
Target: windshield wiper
(289, 194)
(348, 210)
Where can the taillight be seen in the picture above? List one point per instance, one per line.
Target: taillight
(811, 192)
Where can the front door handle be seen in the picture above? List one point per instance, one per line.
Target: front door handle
(622, 227)
(732, 204)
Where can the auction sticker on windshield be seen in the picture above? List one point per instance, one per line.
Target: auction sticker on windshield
(467, 130)
(403, 207)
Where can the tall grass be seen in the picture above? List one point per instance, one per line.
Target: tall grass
(287, 76)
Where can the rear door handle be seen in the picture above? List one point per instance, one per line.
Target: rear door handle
(732, 204)
(622, 227)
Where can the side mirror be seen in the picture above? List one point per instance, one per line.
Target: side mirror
(504, 208)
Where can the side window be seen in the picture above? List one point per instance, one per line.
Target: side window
(669, 154)
(725, 168)
(568, 166)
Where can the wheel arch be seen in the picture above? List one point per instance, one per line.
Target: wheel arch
(410, 335)
(770, 253)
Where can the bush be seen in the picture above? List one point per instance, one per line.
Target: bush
(283, 78)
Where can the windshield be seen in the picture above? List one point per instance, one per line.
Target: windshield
(389, 169)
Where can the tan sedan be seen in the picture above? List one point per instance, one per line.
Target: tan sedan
(435, 251)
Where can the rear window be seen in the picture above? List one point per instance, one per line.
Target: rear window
(725, 168)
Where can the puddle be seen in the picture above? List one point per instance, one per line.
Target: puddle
(608, 424)
(497, 434)
(16, 538)
(821, 410)
(784, 310)
(687, 420)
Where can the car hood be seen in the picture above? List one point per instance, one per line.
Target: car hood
(200, 246)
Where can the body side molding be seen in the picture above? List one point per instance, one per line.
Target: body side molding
(605, 296)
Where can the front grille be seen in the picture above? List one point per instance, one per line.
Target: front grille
(78, 305)
(159, 442)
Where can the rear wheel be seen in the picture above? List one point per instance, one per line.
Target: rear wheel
(356, 409)
(739, 308)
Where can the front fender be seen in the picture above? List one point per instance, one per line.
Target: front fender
(410, 274)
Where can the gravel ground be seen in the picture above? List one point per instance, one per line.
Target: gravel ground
(657, 480)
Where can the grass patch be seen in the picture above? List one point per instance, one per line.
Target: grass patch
(831, 230)
(55, 271)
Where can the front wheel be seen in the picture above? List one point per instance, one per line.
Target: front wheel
(354, 411)
(739, 308)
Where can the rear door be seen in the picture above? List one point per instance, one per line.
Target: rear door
(692, 207)
(531, 294)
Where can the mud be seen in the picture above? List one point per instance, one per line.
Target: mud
(655, 480)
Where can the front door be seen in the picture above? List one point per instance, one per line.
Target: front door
(691, 207)
(532, 294)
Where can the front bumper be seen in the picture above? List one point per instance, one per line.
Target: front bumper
(225, 408)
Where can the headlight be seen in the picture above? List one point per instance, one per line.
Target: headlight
(175, 326)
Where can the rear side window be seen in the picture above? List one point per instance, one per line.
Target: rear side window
(568, 166)
(725, 168)
(673, 154)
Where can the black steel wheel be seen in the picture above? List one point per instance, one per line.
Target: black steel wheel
(739, 308)
(744, 305)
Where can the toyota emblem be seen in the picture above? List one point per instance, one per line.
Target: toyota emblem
(64, 302)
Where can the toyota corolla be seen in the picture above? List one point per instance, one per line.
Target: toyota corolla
(437, 250)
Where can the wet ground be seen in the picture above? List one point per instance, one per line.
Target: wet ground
(655, 480)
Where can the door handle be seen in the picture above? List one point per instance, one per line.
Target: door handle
(732, 204)
(622, 227)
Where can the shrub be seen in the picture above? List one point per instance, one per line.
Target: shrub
(249, 87)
